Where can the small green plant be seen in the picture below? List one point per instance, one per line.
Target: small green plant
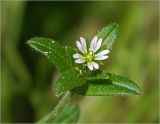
(80, 72)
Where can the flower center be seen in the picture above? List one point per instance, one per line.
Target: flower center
(89, 56)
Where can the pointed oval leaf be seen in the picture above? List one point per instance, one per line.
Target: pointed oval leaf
(52, 50)
(67, 81)
(70, 51)
(98, 74)
(109, 34)
(114, 85)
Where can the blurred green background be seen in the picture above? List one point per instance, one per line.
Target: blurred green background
(27, 78)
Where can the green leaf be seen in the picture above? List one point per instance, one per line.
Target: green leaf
(69, 114)
(97, 75)
(109, 34)
(52, 50)
(114, 85)
(68, 80)
(70, 51)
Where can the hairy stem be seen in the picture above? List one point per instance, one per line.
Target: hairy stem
(52, 115)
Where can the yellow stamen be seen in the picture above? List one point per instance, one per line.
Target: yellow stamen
(89, 56)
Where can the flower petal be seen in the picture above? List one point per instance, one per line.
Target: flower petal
(102, 53)
(93, 43)
(77, 55)
(79, 60)
(80, 47)
(100, 57)
(90, 66)
(83, 42)
(98, 45)
(95, 65)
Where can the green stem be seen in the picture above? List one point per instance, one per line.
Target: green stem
(51, 116)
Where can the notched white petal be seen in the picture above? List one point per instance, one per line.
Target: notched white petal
(95, 65)
(79, 45)
(83, 42)
(79, 61)
(93, 42)
(102, 53)
(101, 57)
(77, 55)
(98, 45)
(90, 66)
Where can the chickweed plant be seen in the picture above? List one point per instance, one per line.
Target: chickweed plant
(81, 72)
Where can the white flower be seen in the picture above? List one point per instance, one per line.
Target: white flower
(89, 55)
